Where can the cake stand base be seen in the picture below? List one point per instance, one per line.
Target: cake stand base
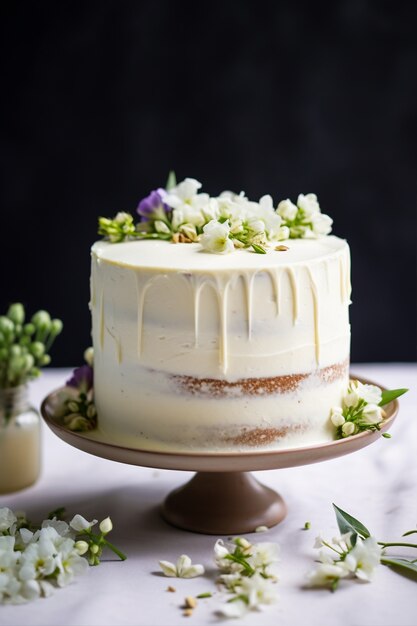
(223, 503)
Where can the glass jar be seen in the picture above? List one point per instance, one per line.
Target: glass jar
(19, 440)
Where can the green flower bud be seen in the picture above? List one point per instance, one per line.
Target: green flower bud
(45, 360)
(16, 313)
(29, 329)
(16, 364)
(56, 327)
(37, 349)
(25, 340)
(15, 350)
(35, 372)
(41, 318)
(73, 406)
(94, 548)
(6, 326)
(29, 362)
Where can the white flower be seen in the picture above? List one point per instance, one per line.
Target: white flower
(183, 568)
(61, 527)
(258, 590)
(321, 224)
(271, 219)
(106, 525)
(372, 414)
(308, 203)
(215, 238)
(7, 519)
(79, 523)
(287, 210)
(283, 233)
(252, 592)
(263, 555)
(369, 393)
(351, 398)
(234, 609)
(336, 416)
(326, 574)
(69, 562)
(348, 428)
(187, 203)
(364, 558)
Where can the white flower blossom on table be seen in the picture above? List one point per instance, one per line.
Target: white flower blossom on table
(33, 563)
(247, 573)
(183, 568)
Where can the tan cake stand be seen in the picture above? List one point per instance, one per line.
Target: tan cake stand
(223, 498)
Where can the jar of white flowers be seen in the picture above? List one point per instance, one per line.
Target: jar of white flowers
(24, 348)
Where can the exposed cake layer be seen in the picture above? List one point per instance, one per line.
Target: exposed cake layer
(153, 410)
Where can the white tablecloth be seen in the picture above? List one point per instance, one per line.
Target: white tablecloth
(377, 484)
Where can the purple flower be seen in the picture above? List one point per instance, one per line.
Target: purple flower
(153, 207)
(82, 378)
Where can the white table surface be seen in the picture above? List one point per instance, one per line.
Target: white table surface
(377, 484)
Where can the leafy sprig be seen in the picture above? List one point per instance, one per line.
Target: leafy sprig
(361, 409)
(24, 346)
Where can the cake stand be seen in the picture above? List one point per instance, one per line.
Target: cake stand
(223, 498)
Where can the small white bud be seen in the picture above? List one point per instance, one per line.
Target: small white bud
(348, 428)
(106, 525)
(89, 355)
(81, 547)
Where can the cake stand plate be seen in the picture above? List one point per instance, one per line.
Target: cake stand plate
(223, 498)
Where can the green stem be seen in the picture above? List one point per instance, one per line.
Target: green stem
(404, 545)
(119, 553)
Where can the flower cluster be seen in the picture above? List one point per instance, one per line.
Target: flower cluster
(79, 412)
(247, 573)
(24, 345)
(34, 561)
(354, 554)
(355, 557)
(181, 213)
(361, 409)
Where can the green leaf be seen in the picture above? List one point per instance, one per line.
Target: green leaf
(258, 249)
(389, 395)
(347, 523)
(409, 532)
(172, 180)
(405, 567)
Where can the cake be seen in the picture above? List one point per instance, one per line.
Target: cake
(222, 333)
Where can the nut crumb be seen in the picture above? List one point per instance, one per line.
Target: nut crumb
(281, 248)
(190, 602)
(170, 588)
(181, 238)
(188, 612)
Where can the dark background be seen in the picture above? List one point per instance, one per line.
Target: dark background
(101, 99)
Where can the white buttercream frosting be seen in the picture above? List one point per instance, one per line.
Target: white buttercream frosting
(162, 311)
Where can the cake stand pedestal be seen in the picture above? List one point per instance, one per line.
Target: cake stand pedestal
(223, 503)
(223, 498)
